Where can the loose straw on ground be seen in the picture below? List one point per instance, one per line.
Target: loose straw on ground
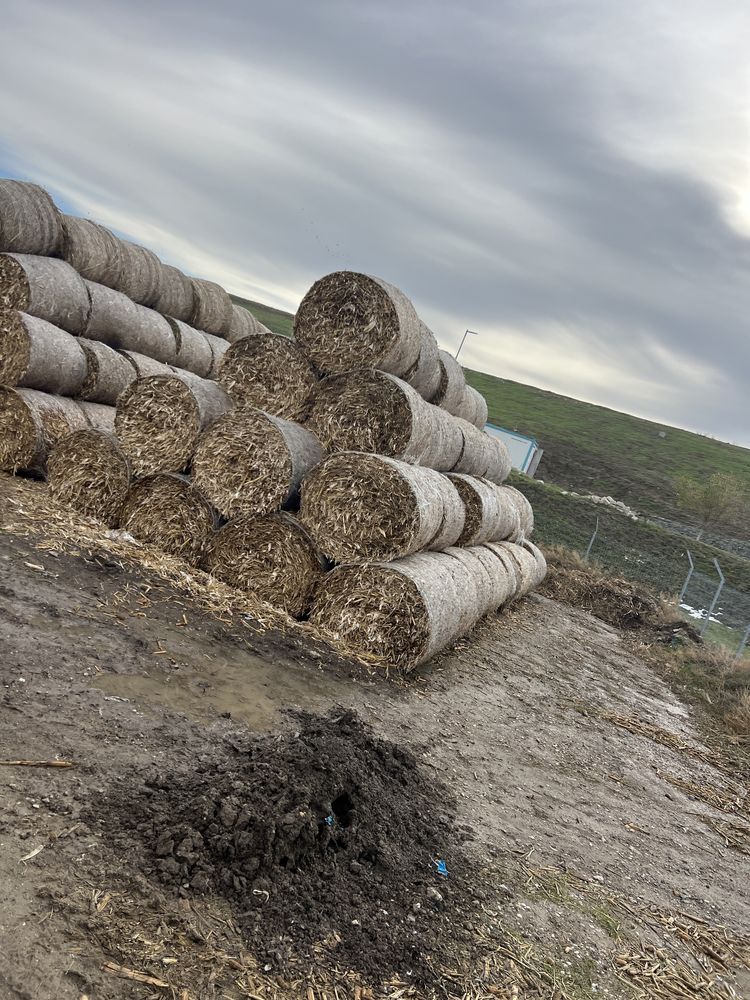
(47, 288)
(271, 557)
(29, 220)
(117, 321)
(212, 309)
(250, 462)
(38, 355)
(88, 471)
(360, 506)
(32, 422)
(167, 510)
(269, 372)
(491, 513)
(160, 417)
(92, 250)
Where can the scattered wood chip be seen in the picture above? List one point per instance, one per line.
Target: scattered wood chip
(33, 854)
(123, 972)
(34, 566)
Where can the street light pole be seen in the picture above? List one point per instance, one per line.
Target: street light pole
(463, 341)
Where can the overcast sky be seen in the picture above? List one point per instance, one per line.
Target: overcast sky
(570, 178)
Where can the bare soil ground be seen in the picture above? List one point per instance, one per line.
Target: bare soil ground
(596, 842)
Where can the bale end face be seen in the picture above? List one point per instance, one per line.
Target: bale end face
(157, 424)
(88, 472)
(268, 371)
(167, 511)
(31, 423)
(15, 291)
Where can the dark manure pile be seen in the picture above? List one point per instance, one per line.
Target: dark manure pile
(324, 840)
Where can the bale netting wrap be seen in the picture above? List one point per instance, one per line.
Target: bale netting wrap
(175, 297)
(31, 423)
(370, 507)
(38, 355)
(529, 571)
(142, 365)
(194, 352)
(250, 462)
(108, 372)
(451, 386)
(525, 513)
(243, 324)
(30, 222)
(489, 512)
(404, 612)
(219, 348)
(117, 321)
(473, 407)
(45, 287)
(160, 418)
(99, 416)
(443, 445)
(94, 251)
(140, 273)
(88, 472)
(271, 557)
(269, 372)
(167, 510)
(482, 455)
(541, 562)
(347, 320)
(212, 309)
(426, 373)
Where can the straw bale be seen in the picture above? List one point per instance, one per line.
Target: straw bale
(167, 510)
(426, 374)
(176, 297)
(212, 310)
(444, 444)
(250, 462)
(45, 287)
(31, 422)
(482, 454)
(143, 365)
(271, 557)
(347, 320)
(525, 513)
(219, 348)
(121, 323)
(490, 513)
(529, 570)
(541, 562)
(108, 372)
(99, 416)
(451, 386)
(140, 273)
(29, 220)
(160, 417)
(194, 352)
(38, 355)
(473, 407)
(88, 471)
(269, 372)
(243, 324)
(370, 507)
(94, 251)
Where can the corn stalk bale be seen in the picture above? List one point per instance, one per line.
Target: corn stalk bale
(29, 220)
(476, 406)
(426, 373)
(45, 287)
(482, 455)
(347, 320)
(490, 513)
(219, 348)
(121, 323)
(176, 297)
(525, 513)
(450, 389)
(88, 471)
(194, 352)
(94, 251)
(529, 571)
(143, 365)
(541, 562)
(167, 510)
(212, 310)
(160, 418)
(271, 557)
(404, 612)
(250, 462)
(31, 423)
(140, 273)
(444, 444)
(269, 372)
(108, 372)
(243, 324)
(38, 355)
(98, 416)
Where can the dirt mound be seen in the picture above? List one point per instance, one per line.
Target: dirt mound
(327, 842)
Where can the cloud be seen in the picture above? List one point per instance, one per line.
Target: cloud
(566, 178)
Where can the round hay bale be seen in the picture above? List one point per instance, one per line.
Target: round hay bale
(30, 222)
(444, 444)
(120, 323)
(269, 372)
(404, 612)
(541, 562)
(426, 373)
(94, 251)
(194, 352)
(38, 355)
(31, 423)
(450, 391)
(108, 372)
(143, 365)
(348, 320)
(473, 407)
(243, 324)
(212, 310)
(526, 565)
(99, 416)
(508, 572)
(45, 287)
(219, 348)
(370, 507)
(490, 514)
(168, 511)
(482, 455)
(140, 273)
(175, 297)
(88, 471)
(160, 417)
(250, 462)
(525, 513)
(271, 557)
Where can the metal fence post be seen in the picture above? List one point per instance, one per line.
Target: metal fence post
(743, 644)
(687, 578)
(715, 601)
(591, 541)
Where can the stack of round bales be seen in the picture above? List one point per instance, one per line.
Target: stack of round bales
(88, 471)
(29, 220)
(268, 372)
